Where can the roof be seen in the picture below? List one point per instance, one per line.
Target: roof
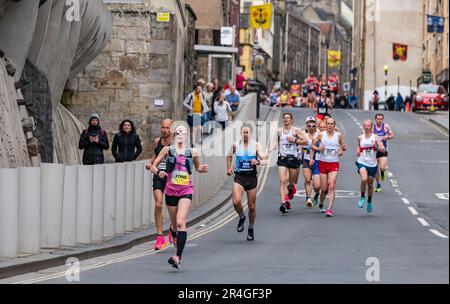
(325, 28)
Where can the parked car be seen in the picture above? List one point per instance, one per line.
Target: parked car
(430, 97)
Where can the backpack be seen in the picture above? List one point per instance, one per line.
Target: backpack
(172, 159)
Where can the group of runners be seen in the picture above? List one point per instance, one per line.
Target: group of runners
(317, 146)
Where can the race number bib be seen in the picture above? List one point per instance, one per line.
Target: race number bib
(180, 178)
(322, 111)
(289, 149)
(330, 153)
(245, 165)
(368, 153)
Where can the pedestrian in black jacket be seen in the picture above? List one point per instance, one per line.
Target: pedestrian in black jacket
(126, 144)
(93, 141)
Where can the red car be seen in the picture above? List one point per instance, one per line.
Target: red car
(431, 98)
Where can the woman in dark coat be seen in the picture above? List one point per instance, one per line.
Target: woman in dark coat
(126, 145)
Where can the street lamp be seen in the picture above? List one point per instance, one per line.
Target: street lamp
(386, 71)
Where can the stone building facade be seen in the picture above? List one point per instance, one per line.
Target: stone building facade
(140, 75)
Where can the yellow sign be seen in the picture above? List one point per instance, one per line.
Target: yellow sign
(163, 17)
(261, 16)
(334, 59)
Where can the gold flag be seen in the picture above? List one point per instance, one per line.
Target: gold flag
(334, 59)
(261, 16)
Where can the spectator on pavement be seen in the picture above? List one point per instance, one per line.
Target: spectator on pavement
(233, 98)
(93, 141)
(240, 79)
(126, 145)
(195, 104)
(399, 103)
(222, 108)
(209, 94)
(391, 102)
(375, 100)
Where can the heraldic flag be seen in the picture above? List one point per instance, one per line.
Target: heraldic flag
(261, 16)
(334, 59)
(400, 52)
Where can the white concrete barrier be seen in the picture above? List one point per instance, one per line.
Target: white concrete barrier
(98, 200)
(120, 198)
(9, 212)
(110, 201)
(147, 210)
(84, 204)
(29, 210)
(138, 194)
(129, 202)
(69, 213)
(52, 176)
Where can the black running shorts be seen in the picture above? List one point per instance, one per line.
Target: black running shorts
(172, 201)
(247, 181)
(380, 155)
(159, 183)
(289, 162)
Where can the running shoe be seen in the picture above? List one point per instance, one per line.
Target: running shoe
(378, 189)
(175, 262)
(315, 201)
(240, 226)
(309, 203)
(369, 208)
(161, 243)
(321, 209)
(288, 205)
(329, 213)
(283, 208)
(361, 202)
(250, 235)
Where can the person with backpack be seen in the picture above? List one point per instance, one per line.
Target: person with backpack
(126, 145)
(179, 190)
(93, 141)
(196, 105)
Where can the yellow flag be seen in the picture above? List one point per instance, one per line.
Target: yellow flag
(261, 16)
(334, 59)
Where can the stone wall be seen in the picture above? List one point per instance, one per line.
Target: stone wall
(144, 61)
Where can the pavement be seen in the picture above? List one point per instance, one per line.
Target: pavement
(405, 239)
(48, 258)
(438, 118)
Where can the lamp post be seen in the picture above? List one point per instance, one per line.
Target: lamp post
(386, 71)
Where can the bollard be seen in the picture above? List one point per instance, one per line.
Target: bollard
(69, 214)
(9, 212)
(98, 199)
(110, 201)
(84, 204)
(120, 198)
(138, 194)
(29, 210)
(52, 177)
(129, 201)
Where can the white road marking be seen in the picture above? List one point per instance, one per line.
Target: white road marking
(423, 222)
(394, 183)
(443, 196)
(413, 211)
(389, 174)
(431, 141)
(435, 161)
(406, 201)
(437, 233)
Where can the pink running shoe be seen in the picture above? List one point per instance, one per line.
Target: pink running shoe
(161, 243)
(329, 213)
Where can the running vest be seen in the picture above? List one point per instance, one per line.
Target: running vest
(173, 160)
(381, 132)
(283, 98)
(286, 148)
(368, 150)
(244, 158)
(330, 154)
(307, 149)
(163, 164)
(322, 107)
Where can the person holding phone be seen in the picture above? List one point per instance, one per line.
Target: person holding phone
(93, 141)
